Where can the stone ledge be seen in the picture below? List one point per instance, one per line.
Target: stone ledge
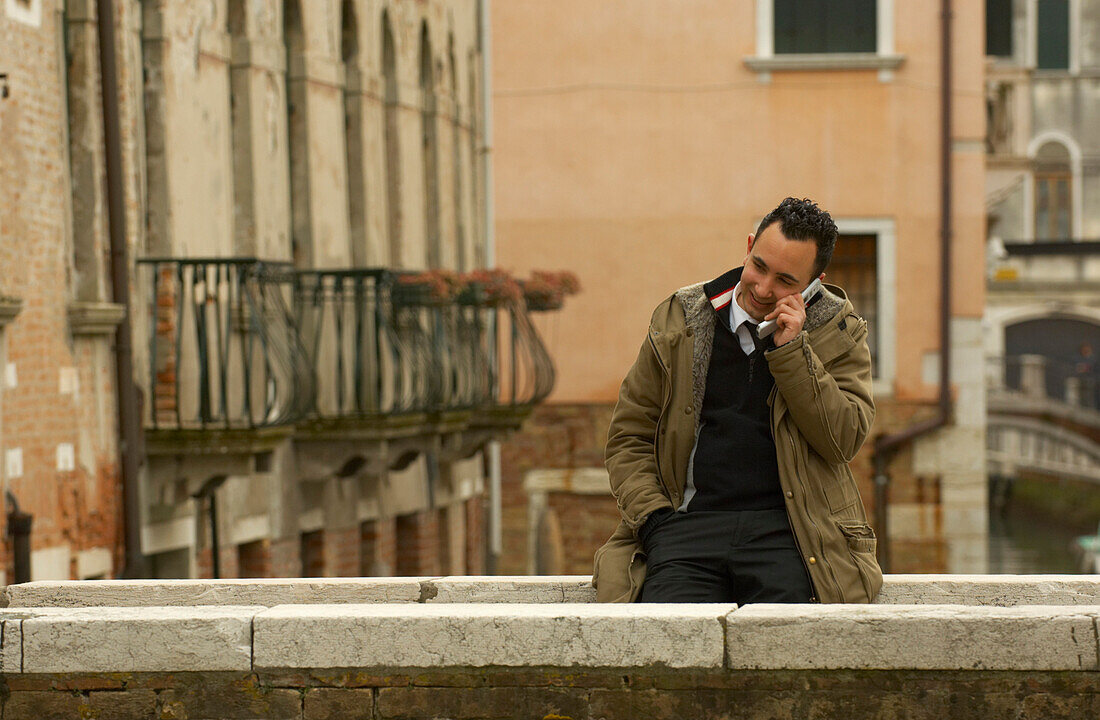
(95, 318)
(266, 592)
(145, 639)
(469, 635)
(993, 590)
(912, 637)
(510, 589)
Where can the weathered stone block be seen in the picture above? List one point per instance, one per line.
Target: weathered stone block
(1004, 590)
(338, 704)
(457, 635)
(931, 637)
(511, 589)
(152, 639)
(254, 591)
(11, 645)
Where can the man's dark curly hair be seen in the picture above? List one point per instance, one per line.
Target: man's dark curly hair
(804, 220)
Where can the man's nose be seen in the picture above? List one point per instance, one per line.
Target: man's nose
(764, 288)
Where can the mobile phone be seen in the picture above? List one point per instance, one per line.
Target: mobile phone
(768, 327)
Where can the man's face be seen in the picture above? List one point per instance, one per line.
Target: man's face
(775, 267)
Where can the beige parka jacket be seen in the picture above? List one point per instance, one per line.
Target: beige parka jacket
(821, 412)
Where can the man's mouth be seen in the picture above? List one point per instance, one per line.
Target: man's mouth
(758, 303)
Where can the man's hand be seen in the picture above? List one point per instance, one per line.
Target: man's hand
(790, 316)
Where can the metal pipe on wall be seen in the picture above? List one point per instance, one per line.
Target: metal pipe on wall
(887, 446)
(496, 536)
(129, 417)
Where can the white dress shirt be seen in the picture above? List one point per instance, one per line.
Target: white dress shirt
(738, 318)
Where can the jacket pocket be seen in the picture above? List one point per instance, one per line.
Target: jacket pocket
(619, 567)
(861, 546)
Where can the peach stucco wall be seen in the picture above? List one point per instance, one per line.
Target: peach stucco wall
(634, 147)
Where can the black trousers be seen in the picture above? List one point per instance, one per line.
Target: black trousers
(747, 556)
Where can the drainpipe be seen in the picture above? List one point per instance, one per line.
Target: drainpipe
(887, 446)
(129, 418)
(496, 544)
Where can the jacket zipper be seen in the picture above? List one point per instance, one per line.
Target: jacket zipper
(810, 517)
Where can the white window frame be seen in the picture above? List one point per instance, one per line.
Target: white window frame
(885, 232)
(884, 59)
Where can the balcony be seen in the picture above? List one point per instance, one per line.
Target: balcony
(226, 368)
(405, 366)
(366, 369)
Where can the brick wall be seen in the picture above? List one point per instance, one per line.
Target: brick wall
(286, 558)
(254, 559)
(378, 547)
(418, 544)
(341, 552)
(475, 536)
(527, 693)
(62, 401)
(229, 562)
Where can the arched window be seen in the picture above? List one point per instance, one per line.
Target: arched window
(353, 134)
(297, 134)
(476, 216)
(1053, 192)
(393, 148)
(456, 155)
(240, 111)
(430, 151)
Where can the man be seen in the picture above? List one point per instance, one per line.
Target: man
(728, 455)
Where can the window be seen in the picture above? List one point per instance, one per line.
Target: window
(825, 26)
(864, 266)
(803, 35)
(998, 28)
(1053, 186)
(854, 268)
(1052, 28)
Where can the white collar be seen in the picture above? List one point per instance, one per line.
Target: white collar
(737, 313)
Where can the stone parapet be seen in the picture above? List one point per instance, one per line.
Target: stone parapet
(669, 638)
(993, 590)
(581, 661)
(494, 635)
(912, 637)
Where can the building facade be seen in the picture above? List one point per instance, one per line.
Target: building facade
(642, 148)
(300, 182)
(1043, 184)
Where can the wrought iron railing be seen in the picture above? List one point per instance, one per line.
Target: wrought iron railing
(381, 344)
(530, 371)
(223, 349)
(240, 343)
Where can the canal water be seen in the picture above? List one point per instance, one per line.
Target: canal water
(1021, 544)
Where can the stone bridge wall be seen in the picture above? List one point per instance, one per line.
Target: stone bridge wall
(931, 647)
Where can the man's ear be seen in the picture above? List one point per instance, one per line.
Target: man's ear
(751, 238)
(821, 277)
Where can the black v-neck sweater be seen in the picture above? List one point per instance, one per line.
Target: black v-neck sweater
(735, 466)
